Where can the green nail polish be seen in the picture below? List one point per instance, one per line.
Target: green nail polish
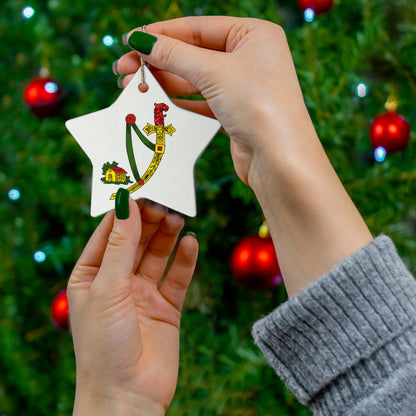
(191, 233)
(122, 204)
(114, 68)
(142, 42)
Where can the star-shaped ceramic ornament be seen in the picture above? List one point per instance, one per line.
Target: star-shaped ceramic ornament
(145, 143)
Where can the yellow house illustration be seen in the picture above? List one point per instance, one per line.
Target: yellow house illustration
(115, 175)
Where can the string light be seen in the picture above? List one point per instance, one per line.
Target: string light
(309, 15)
(108, 40)
(28, 12)
(362, 90)
(14, 194)
(39, 256)
(51, 87)
(380, 154)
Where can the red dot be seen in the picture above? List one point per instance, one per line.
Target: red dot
(143, 87)
(141, 182)
(130, 118)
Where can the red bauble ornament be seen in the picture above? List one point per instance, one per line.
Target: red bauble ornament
(44, 97)
(60, 310)
(318, 6)
(391, 131)
(254, 263)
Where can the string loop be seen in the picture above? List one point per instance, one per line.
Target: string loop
(143, 87)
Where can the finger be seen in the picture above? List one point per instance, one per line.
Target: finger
(118, 260)
(174, 84)
(160, 247)
(151, 215)
(197, 106)
(209, 32)
(180, 274)
(183, 59)
(171, 83)
(124, 80)
(128, 63)
(93, 252)
(88, 265)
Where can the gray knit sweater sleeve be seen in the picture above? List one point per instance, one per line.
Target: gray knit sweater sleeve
(346, 345)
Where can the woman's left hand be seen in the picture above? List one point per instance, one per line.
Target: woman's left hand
(124, 317)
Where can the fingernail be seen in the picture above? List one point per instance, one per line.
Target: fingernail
(142, 42)
(114, 68)
(191, 233)
(122, 204)
(124, 38)
(120, 82)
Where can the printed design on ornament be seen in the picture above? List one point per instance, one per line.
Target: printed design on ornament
(158, 148)
(115, 175)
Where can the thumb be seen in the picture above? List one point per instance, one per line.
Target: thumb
(190, 62)
(119, 256)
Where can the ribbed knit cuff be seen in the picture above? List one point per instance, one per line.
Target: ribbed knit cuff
(347, 331)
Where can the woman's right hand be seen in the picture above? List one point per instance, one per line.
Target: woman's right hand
(244, 70)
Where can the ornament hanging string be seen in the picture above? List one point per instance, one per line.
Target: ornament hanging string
(143, 87)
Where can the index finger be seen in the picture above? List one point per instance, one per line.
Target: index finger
(211, 32)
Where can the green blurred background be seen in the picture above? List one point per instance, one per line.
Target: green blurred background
(222, 372)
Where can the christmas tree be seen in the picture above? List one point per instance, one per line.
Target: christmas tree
(350, 59)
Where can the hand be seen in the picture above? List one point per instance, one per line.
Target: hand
(251, 87)
(124, 321)
(244, 70)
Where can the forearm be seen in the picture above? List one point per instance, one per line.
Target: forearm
(312, 220)
(114, 405)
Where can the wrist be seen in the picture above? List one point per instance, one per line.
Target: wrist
(282, 138)
(285, 153)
